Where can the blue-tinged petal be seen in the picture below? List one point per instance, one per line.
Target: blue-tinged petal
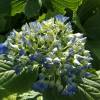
(61, 18)
(26, 28)
(88, 75)
(36, 26)
(56, 60)
(17, 70)
(29, 43)
(40, 86)
(72, 40)
(35, 57)
(26, 41)
(23, 38)
(71, 51)
(47, 62)
(13, 34)
(70, 90)
(55, 50)
(21, 52)
(69, 27)
(32, 58)
(84, 67)
(48, 65)
(3, 48)
(79, 35)
(48, 59)
(80, 58)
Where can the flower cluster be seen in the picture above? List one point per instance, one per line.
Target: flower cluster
(53, 48)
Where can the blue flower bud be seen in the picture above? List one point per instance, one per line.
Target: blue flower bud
(47, 62)
(81, 68)
(88, 75)
(36, 26)
(61, 18)
(21, 52)
(13, 34)
(32, 58)
(40, 86)
(70, 90)
(3, 48)
(17, 70)
(70, 52)
(48, 65)
(70, 72)
(35, 57)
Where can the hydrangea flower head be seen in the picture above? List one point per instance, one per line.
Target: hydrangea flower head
(53, 48)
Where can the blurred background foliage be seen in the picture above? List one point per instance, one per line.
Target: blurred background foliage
(84, 16)
(14, 13)
(89, 18)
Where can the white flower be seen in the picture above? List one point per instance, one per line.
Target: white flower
(79, 58)
(13, 46)
(83, 40)
(69, 27)
(26, 28)
(76, 62)
(56, 60)
(55, 50)
(79, 35)
(48, 59)
(72, 40)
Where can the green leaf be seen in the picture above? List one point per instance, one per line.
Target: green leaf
(94, 46)
(11, 83)
(9, 8)
(2, 38)
(32, 7)
(17, 6)
(3, 23)
(55, 7)
(10, 97)
(89, 19)
(5, 7)
(92, 87)
(60, 5)
(12, 7)
(6, 75)
(92, 26)
(88, 9)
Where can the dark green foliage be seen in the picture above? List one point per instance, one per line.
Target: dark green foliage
(11, 83)
(31, 9)
(89, 16)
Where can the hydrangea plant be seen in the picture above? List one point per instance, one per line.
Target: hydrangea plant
(54, 49)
